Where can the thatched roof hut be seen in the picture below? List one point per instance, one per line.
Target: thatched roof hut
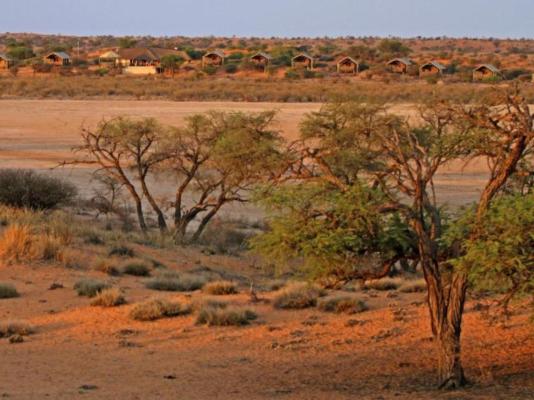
(59, 58)
(348, 65)
(302, 60)
(400, 65)
(431, 68)
(215, 58)
(486, 71)
(6, 62)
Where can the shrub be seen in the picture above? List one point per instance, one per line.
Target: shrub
(230, 68)
(10, 328)
(298, 296)
(90, 287)
(342, 304)
(385, 284)
(170, 281)
(223, 236)
(26, 189)
(109, 298)
(8, 291)
(106, 266)
(136, 268)
(217, 316)
(121, 251)
(152, 310)
(417, 286)
(220, 288)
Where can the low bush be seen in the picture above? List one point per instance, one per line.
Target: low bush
(107, 266)
(152, 310)
(27, 189)
(298, 296)
(136, 268)
(384, 284)
(416, 286)
(108, 298)
(10, 328)
(121, 251)
(342, 304)
(220, 288)
(224, 316)
(170, 281)
(8, 291)
(90, 287)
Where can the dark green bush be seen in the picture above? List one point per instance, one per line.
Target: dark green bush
(27, 189)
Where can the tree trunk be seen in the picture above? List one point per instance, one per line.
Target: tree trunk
(207, 218)
(140, 215)
(451, 373)
(447, 329)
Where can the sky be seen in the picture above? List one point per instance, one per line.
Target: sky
(266, 18)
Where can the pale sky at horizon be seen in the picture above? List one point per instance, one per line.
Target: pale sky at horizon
(266, 18)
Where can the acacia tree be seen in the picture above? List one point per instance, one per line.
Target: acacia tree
(347, 146)
(126, 150)
(218, 158)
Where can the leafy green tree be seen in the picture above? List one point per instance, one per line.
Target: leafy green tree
(346, 147)
(171, 62)
(393, 47)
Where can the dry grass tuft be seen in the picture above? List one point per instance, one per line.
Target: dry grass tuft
(298, 296)
(224, 316)
(384, 284)
(16, 243)
(170, 281)
(152, 310)
(416, 286)
(8, 291)
(90, 287)
(342, 304)
(10, 328)
(108, 298)
(136, 268)
(107, 266)
(121, 251)
(220, 288)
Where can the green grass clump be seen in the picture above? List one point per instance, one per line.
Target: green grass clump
(220, 288)
(108, 298)
(8, 291)
(298, 296)
(170, 281)
(224, 316)
(342, 304)
(90, 287)
(152, 310)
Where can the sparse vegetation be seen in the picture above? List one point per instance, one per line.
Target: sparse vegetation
(384, 284)
(121, 251)
(112, 297)
(107, 266)
(90, 287)
(170, 281)
(220, 288)
(413, 286)
(297, 296)
(8, 291)
(224, 316)
(11, 328)
(152, 310)
(342, 304)
(136, 268)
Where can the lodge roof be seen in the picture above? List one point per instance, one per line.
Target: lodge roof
(402, 60)
(59, 54)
